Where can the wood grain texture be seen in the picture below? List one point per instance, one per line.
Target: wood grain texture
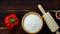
(20, 14)
(21, 7)
(29, 4)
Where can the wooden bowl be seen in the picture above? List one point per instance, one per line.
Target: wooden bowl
(32, 22)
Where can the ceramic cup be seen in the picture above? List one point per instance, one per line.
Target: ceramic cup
(58, 14)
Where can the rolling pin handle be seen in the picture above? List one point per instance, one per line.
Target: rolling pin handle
(57, 32)
(41, 9)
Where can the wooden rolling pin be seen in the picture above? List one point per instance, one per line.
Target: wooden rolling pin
(51, 23)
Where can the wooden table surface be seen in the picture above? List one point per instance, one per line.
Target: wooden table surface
(20, 14)
(29, 4)
(21, 7)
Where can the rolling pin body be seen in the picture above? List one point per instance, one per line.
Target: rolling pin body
(51, 23)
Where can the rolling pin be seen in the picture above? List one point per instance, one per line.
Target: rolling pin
(51, 23)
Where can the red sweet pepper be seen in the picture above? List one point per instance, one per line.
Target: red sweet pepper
(11, 21)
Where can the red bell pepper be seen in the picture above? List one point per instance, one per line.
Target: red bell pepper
(11, 21)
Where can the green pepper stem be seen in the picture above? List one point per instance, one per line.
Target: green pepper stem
(12, 20)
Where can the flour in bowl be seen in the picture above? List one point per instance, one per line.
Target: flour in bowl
(32, 23)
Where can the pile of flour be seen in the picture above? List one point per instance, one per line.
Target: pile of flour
(32, 23)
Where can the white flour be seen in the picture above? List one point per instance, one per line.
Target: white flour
(32, 23)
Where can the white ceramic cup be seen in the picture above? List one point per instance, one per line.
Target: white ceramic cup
(57, 14)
